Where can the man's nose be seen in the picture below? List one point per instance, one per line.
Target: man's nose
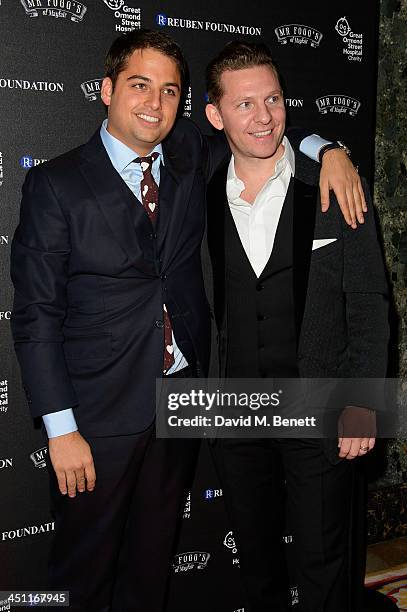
(154, 99)
(263, 114)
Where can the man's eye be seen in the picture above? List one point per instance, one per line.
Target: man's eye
(139, 85)
(275, 99)
(169, 92)
(244, 105)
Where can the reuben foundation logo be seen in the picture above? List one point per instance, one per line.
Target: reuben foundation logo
(163, 20)
(294, 102)
(5, 315)
(31, 85)
(27, 531)
(184, 562)
(39, 457)
(4, 240)
(55, 8)
(353, 43)
(230, 543)
(1, 168)
(335, 103)
(210, 494)
(3, 396)
(27, 162)
(91, 89)
(128, 17)
(6, 463)
(298, 35)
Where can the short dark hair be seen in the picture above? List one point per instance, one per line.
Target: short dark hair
(236, 55)
(125, 45)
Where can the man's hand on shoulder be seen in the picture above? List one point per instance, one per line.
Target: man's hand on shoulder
(72, 460)
(339, 174)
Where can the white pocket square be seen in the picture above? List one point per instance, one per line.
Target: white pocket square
(317, 244)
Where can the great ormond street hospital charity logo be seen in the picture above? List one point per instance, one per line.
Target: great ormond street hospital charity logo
(342, 26)
(114, 5)
(352, 41)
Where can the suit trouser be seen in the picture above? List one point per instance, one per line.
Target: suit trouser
(115, 543)
(318, 516)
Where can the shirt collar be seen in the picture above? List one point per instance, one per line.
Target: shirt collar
(235, 185)
(120, 154)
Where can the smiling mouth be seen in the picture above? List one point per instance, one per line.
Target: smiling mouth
(148, 118)
(261, 134)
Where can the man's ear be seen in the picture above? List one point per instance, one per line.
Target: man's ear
(106, 91)
(214, 117)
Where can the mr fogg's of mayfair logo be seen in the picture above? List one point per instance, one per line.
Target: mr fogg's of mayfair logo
(128, 17)
(3, 396)
(337, 103)
(352, 42)
(91, 89)
(27, 161)
(165, 21)
(39, 457)
(71, 9)
(186, 561)
(298, 34)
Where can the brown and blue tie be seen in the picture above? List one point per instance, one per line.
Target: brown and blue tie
(149, 198)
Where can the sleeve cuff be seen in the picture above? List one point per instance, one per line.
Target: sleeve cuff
(311, 146)
(60, 423)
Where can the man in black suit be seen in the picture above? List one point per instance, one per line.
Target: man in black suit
(109, 296)
(297, 293)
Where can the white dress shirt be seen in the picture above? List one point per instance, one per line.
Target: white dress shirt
(257, 223)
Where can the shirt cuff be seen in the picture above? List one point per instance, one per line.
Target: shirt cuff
(60, 423)
(311, 146)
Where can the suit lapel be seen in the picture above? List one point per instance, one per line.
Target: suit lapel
(305, 202)
(124, 214)
(176, 179)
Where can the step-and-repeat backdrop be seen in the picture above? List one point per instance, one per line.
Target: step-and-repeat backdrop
(51, 66)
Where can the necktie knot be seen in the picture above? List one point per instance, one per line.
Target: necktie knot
(147, 162)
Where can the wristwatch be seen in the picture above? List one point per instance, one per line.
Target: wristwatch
(338, 144)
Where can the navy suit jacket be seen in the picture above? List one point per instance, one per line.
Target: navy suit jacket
(91, 275)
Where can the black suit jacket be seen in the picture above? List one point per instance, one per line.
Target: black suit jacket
(91, 275)
(340, 290)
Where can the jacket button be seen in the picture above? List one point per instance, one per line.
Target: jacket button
(259, 287)
(159, 324)
(163, 276)
(261, 317)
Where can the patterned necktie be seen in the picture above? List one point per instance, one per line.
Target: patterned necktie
(149, 196)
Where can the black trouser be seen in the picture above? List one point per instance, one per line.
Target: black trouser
(113, 546)
(318, 516)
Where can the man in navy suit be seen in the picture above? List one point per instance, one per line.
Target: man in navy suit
(109, 296)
